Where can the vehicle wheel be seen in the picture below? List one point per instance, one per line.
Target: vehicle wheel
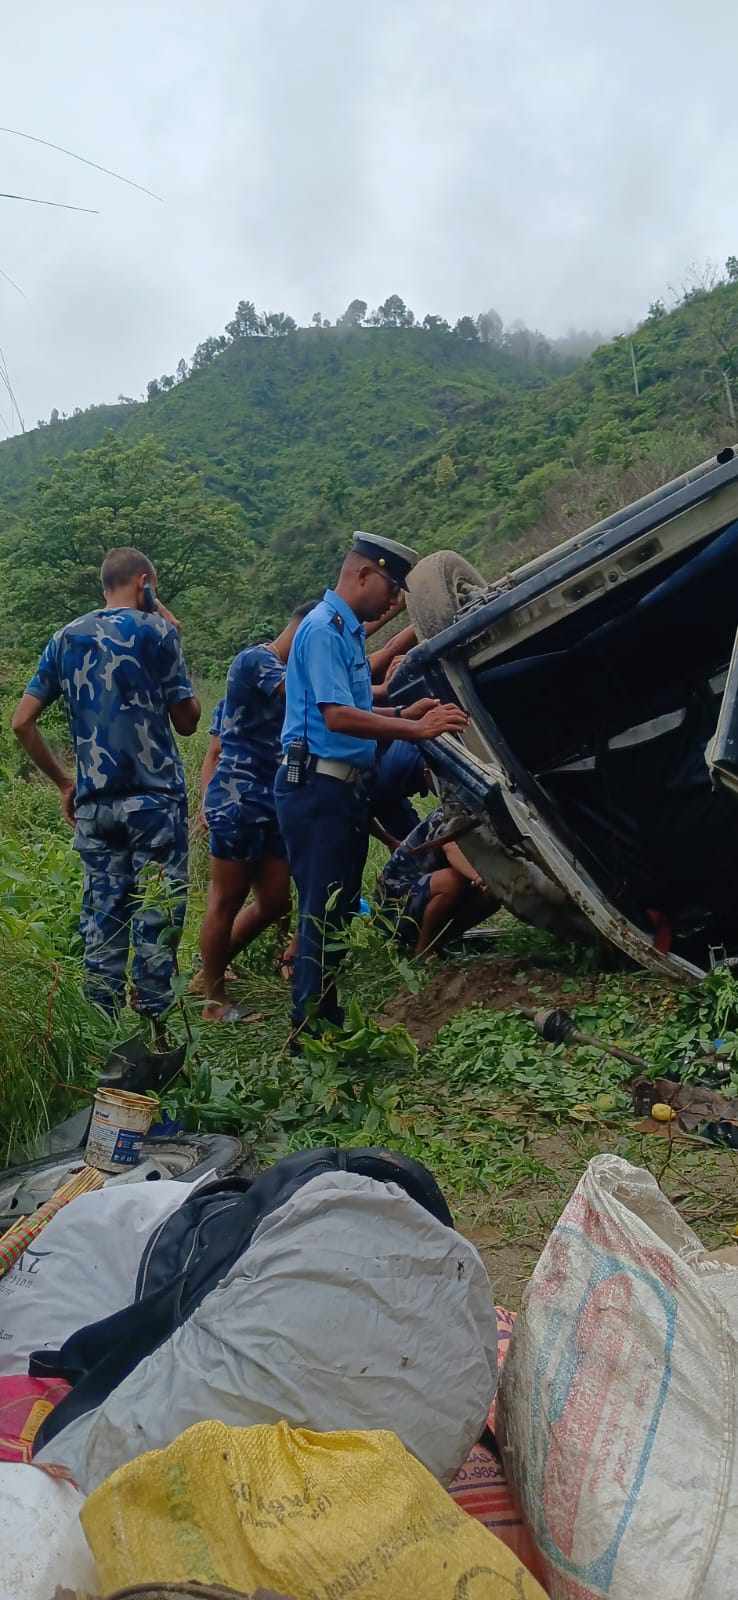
(438, 587)
(185, 1157)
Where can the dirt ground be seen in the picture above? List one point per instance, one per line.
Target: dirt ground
(500, 984)
(510, 1228)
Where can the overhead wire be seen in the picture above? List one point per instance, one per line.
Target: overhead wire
(34, 138)
(10, 428)
(12, 282)
(8, 392)
(5, 376)
(59, 205)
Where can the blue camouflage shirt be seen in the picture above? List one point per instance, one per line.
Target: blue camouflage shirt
(251, 720)
(404, 870)
(118, 671)
(216, 720)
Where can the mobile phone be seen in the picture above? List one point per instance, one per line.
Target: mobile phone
(149, 596)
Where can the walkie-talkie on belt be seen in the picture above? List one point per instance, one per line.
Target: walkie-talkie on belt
(297, 760)
(298, 756)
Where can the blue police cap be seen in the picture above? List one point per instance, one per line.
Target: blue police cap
(397, 560)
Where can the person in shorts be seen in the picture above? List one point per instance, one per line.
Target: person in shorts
(247, 855)
(212, 755)
(432, 889)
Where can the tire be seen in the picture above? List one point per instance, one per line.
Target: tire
(438, 587)
(185, 1158)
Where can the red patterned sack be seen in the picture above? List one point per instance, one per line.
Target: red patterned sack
(24, 1404)
(481, 1487)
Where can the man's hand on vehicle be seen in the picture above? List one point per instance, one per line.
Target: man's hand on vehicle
(442, 719)
(392, 668)
(418, 709)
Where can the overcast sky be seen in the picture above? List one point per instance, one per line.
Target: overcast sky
(564, 162)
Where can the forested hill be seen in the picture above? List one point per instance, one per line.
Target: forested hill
(245, 478)
(271, 421)
(544, 464)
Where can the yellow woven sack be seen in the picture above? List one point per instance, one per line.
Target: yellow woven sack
(317, 1516)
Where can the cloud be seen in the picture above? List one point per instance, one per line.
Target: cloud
(562, 162)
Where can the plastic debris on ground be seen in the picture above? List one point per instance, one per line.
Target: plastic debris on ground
(698, 1107)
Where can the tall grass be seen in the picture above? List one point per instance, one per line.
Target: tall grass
(52, 1042)
(49, 1035)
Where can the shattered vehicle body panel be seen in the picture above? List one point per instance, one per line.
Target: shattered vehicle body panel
(595, 785)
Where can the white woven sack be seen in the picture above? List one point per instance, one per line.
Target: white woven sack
(81, 1268)
(617, 1404)
(43, 1551)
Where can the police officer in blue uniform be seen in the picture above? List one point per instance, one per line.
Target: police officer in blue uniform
(329, 743)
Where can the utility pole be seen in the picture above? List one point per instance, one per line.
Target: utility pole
(635, 371)
(729, 398)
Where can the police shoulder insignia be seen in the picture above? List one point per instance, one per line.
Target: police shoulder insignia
(337, 621)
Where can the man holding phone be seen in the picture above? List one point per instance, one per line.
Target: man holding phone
(122, 675)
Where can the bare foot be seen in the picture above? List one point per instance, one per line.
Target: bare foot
(196, 984)
(213, 1011)
(216, 1011)
(286, 962)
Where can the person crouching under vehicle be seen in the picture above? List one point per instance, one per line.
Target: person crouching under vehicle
(246, 849)
(432, 888)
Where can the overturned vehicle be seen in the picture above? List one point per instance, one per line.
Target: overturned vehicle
(594, 787)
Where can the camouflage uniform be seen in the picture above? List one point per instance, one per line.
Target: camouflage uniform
(404, 883)
(239, 800)
(119, 671)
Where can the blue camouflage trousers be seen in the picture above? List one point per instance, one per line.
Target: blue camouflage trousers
(134, 855)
